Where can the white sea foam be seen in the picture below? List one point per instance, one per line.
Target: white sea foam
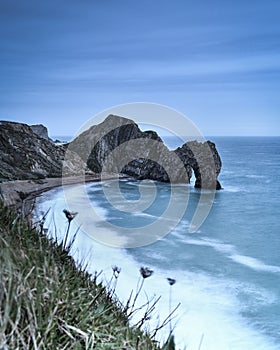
(87, 221)
(228, 172)
(219, 246)
(145, 215)
(232, 189)
(253, 176)
(210, 308)
(254, 263)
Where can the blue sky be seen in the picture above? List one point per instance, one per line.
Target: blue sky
(218, 62)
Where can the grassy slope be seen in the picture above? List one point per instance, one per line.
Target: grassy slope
(46, 302)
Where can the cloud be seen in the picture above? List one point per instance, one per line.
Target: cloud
(159, 50)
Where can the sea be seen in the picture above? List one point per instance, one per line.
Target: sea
(226, 272)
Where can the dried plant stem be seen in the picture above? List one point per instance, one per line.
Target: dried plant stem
(48, 302)
(66, 235)
(165, 321)
(170, 301)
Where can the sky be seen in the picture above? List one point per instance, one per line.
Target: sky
(216, 61)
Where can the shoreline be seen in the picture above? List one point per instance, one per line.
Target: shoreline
(20, 194)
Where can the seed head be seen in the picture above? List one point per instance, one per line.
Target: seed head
(171, 281)
(116, 270)
(69, 215)
(146, 272)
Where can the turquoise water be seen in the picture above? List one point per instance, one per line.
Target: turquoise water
(240, 238)
(228, 272)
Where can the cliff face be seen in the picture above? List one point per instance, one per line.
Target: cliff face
(41, 131)
(25, 155)
(118, 145)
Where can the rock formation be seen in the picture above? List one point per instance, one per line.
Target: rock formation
(117, 145)
(24, 155)
(41, 131)
(205, 161)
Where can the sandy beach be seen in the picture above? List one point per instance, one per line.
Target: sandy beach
(21, 193)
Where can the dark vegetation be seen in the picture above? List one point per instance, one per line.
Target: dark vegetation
(48, 302)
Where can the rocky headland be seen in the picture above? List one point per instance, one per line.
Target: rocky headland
(27, 153)
(115, 146)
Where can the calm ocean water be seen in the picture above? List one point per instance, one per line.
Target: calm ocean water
(227, 274)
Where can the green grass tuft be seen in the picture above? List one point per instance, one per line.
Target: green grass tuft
(47, 302)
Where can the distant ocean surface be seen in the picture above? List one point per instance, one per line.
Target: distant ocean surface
(227, 274)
